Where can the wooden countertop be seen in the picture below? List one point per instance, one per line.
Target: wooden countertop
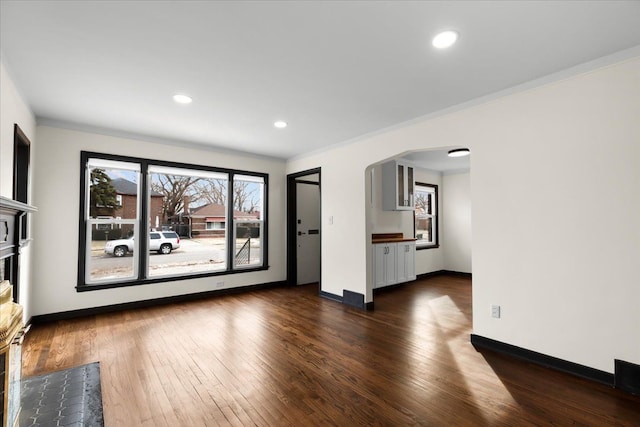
(390, 238)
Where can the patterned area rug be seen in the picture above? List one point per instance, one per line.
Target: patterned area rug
(64, 398)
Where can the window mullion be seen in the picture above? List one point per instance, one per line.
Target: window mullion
(143, 219)
(230, 224)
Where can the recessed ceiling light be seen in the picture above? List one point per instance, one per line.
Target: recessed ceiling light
(445, 39)
(182, 99)
(458, 152)
(280, 124)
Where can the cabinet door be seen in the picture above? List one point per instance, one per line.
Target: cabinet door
(409, 186)
(385, 265)
(402, 262)
(390, 186)
(405, 187)
(379, 252)
(401, 182)
(406, 261)
(397, 186)
(410, 260)
(391, 264)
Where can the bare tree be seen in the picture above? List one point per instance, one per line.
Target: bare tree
(173, 188)
(213, 191)
(246, 197)
(423, 202)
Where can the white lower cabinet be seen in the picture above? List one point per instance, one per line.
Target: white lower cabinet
(406, 261)
(385, 264)
(393, 263)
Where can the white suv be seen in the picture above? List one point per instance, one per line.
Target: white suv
(162, 242)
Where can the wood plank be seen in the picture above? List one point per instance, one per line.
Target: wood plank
(287, 357)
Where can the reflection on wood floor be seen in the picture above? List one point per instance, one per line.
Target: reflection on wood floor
(285, 356)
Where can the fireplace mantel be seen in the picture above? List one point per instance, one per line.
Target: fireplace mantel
(16, 205)
(13, 237)
(12, 233)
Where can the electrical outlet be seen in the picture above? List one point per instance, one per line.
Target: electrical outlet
(495, 311)
(220, 284)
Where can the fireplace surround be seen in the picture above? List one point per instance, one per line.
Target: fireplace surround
(12, 239)
(11, 335)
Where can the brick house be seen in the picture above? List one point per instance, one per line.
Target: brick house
(127, 194)
(210, 220)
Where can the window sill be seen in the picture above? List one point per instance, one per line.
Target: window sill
(419, 248)
(100, 286)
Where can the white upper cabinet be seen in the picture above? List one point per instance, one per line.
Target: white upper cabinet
(397, 186)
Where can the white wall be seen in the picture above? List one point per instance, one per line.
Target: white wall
(455, 214)
(56, 225)
(556, 238)
(14, 110)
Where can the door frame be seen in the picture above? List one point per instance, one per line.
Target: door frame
(292, 244)
(21, 193)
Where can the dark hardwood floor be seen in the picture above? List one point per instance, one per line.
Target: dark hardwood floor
(286, 357)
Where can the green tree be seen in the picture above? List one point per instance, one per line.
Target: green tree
(101, 193)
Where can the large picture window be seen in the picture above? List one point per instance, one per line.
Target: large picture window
(426, 215)
(145, 221)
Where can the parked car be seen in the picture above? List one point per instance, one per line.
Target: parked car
(162, 242)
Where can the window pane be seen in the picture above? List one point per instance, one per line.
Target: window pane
(248, 218)
(248, 197)
(425, 215)
(215, 225)
(248, 244)
(110, 254)
(113, 189)
(111, 213)
(192, 204)
(424, 230)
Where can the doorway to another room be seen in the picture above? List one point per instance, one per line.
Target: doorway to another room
(303, 228)
(436, 213)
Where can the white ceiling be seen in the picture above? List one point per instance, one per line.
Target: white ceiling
(334, 70)
(438, 160)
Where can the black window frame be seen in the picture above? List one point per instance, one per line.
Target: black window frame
(144, 225)
(436, 242)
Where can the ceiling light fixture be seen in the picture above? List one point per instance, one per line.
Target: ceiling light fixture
(445, 39)
(458, 152)
(280, 124)
(182, 99)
